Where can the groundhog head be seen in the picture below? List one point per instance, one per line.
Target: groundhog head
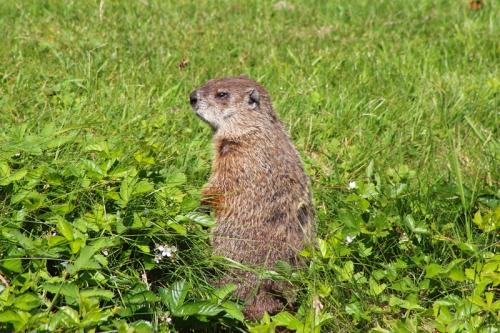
(233, 104)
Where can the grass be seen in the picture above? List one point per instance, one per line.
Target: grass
(102, 161)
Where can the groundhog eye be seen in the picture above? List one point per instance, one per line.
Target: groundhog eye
(222, 95)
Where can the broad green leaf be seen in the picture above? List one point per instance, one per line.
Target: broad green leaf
(122, 326)
(85, 255)
(57, 240)
(142, 298)
(142, 326)
(63, 209)
(363, 251)
(64, 228)
(375, 288)
(18, 319)
(205, 308)
(114, 196)
(89, 265)
(94, 317)
(405, 304)
(489, 299)
(175, 179)
(189, 204)
(179, 291)
(467, 247)
(352, 198)
(84, 261)
(433, 270)
(4, 171)
(478, 219)
(96, 292)
(364, 204)
(396, 191)
(354, 310)
(233, 310)
(456, 325)
(27, 301)
(174, 296)
(323, 248)
(346, 272)
(125, 190)
(490, 200)
(19, 238)
(143, 248)
(457, 275)
(201, 219)
(323, 318)
(66, 288)
(76, 245)
(164, 295)
(287, 320)
(267, 318)
(27, 197)
(315, 97)
(144, 159)
(101, 260)
(454, 263)
(140, 221)
(177, 227)
(19, 174)
(13, 265)
(71, 316)
(142, 187)
(93, 170)
(102, 146)
(283, 267)
(348, 219)
(490, 267)
(416, 227)
(225, 291)
(481, 286)
(471, 274)
(120, 172)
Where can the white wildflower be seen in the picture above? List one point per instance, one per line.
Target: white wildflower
(352, 185)
(349, 239)
(167, 252)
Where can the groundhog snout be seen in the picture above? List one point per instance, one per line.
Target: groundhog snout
(193, 99)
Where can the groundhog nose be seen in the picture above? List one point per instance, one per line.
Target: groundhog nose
(193, 99)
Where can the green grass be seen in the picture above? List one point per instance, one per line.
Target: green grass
(102, 160)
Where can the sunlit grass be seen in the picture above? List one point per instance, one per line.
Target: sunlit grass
(402, 98)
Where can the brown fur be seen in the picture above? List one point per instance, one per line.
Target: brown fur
(258, 189)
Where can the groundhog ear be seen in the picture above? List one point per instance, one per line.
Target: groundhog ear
(254, 99)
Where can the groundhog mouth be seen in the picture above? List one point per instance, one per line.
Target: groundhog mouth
(199, 115)
(205, 120)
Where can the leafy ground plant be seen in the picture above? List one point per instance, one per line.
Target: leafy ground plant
(394, 107)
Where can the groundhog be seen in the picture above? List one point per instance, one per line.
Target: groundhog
(258, 190)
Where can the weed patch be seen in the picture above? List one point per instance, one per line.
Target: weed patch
(394, 107)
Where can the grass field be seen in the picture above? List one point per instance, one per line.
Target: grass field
(393, 105)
